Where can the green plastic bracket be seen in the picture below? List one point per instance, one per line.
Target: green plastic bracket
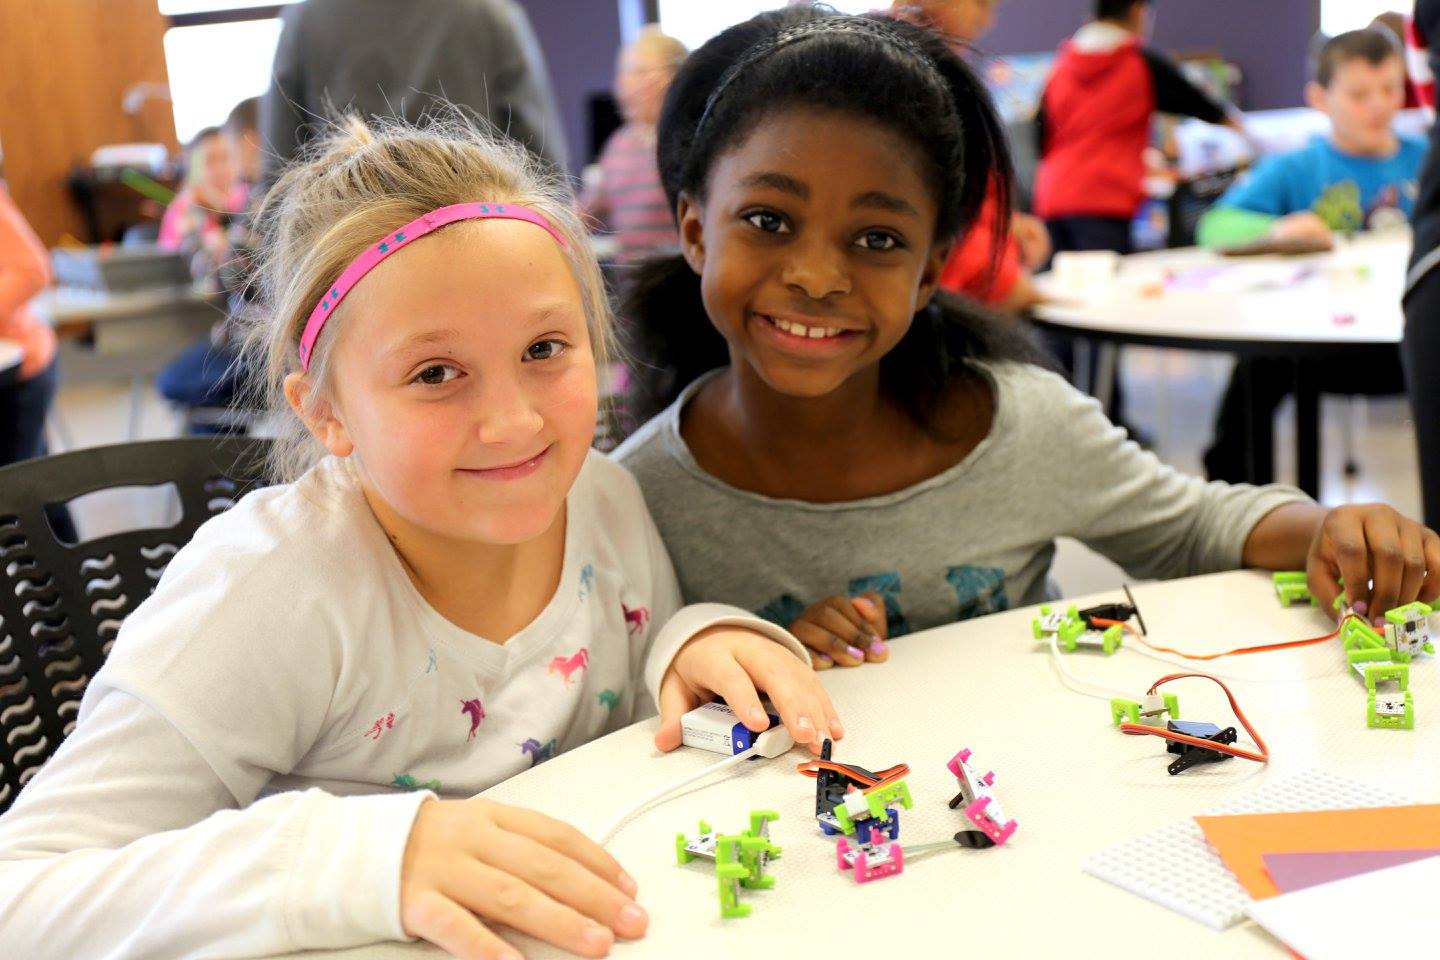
(1036, 621)
(1291, 586)
(1124, 711)
(740, 860)
(1072, 628)
(1411, 611)
(1378, 721)
(878, 800)
(729, 874)
(1356, 634)
(755, 855)
(1398, 673)
(683, 856)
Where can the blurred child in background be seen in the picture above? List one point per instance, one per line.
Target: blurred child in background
(1362, 175)
(995, 273)
(198, 221)
(27, 392)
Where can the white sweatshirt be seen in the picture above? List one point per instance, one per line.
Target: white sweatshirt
(248, 763)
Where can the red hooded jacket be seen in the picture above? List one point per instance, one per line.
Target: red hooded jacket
(1095, 123)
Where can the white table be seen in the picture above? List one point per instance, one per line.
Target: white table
(124, 336)
(1073, 782)
(1348, 300)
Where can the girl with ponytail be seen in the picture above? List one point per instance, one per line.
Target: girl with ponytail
(863, 455)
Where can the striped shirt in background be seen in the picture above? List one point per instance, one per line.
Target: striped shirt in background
(1420, 87)
(627, 197)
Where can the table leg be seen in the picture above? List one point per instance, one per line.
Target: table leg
(1253, 433)
(1307, 428)
(1103, 387)
(1082, 372)
(137, 402)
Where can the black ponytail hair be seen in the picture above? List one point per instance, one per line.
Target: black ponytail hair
(899, 75)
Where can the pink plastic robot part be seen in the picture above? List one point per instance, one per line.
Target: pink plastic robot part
(996, 832)
(976, 812)
(954, 763)
(858, 859)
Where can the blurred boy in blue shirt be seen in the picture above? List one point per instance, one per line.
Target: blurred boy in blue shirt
(1362, 176)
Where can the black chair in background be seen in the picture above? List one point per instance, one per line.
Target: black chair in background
(61, 602)
(1191, 199)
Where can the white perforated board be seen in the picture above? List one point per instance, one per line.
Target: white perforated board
(1175, 867)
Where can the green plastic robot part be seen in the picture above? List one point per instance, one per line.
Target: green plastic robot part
(740, 859)
(1380, 659)
(1407, 628)
(1388, 709)
(1071, 631)
(1292, 587)
(1152, 709)
(1392, 709)
(875, 805)
(1407, 633)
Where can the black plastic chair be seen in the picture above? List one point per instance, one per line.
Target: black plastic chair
(62, 603)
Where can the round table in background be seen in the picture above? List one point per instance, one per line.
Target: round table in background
(1345, 303)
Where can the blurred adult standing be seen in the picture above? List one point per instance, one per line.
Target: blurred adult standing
(625, 194)
(394, 59)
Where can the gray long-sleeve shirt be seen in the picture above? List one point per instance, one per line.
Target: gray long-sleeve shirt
(392, 58)
(974, 539)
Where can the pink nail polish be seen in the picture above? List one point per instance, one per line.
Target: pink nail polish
(855, 652)
(878, 647)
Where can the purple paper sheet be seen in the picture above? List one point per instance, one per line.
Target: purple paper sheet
(1296, 871)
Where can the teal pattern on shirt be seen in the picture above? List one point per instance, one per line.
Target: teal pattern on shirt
(979, 590)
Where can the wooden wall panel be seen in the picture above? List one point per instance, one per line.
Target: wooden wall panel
(64, 67)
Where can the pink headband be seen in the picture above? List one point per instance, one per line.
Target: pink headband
(408, 234)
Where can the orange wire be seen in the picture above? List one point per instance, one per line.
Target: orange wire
(1262, 648)
(882, 778)
(1140, 729)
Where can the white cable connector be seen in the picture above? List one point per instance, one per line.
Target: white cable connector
(773, 742)
(768, 743)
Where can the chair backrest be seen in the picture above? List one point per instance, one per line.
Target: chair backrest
(1190, 201)
(61, 604)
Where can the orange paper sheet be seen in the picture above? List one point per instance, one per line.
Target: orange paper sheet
(1242, 840)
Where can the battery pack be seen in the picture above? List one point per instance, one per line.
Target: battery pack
(716, 728)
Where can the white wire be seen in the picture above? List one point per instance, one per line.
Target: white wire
(1075, 683)
(609, 832)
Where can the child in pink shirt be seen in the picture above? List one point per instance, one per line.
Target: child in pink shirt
(26, 392)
